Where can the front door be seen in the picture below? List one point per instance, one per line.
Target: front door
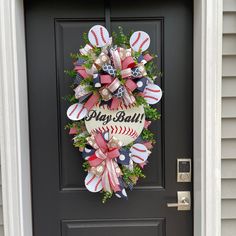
(61, 204)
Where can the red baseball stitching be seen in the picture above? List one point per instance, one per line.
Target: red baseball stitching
(153, 90)
(146, 96)
(138, 157)
(140, 47)
(102, 35)
(114, 129)
(73, 110)
(138, 149)
(122, 106)
(89, 181)
(80, 112)
(99, 181)
(95, 36)
(137, 39)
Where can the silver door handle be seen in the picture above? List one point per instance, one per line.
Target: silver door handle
(184, 201)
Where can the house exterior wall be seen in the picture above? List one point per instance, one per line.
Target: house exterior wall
(229, 119)
(1, 211)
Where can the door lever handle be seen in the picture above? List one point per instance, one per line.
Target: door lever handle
(184, 201)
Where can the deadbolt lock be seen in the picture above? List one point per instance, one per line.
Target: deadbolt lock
(184, 170)
(184, 201)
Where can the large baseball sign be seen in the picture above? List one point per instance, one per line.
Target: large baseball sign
(126, 123)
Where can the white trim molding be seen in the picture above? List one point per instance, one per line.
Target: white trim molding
(14, 136)
(207, 116)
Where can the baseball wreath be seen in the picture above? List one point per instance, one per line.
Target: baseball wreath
(113, 83)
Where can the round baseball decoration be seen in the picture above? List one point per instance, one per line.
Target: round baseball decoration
(139, 153)
(93, 182)
(152, 93)
(76, 112)
(98, 36)
(111, 109)
(139, 41)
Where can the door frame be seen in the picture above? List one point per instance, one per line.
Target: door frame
(14, 122)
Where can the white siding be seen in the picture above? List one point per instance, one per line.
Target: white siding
(1, 212)
(229, 120)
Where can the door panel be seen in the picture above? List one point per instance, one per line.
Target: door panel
(114, 227)
(61, 204)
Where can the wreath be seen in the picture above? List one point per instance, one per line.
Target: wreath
(111, 108)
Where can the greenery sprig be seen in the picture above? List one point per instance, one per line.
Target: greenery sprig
(106, 195)
(148, 135)
(131, 176)
(151, 113)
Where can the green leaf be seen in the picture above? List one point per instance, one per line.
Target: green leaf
(70, 73)
(140, 100)
(106, 195)
(148, 135)
(85, 38)
(151, 113)
(70, 98)
(86, 166)
(80, 141)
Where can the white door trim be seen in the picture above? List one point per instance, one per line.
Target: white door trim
(207, 116)
(14, 135)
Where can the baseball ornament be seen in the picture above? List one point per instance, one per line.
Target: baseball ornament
(152, 93)
(93, 183)
(139, 41)
(98, 36)
(139, 153)
(76, 112)
(111, 109)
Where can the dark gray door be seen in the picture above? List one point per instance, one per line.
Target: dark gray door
(61, 205)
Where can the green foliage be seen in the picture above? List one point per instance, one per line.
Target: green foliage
(74, 56)
(87, 81)
(131, 176)
(70, 98)
(120, 39)
(69, 126)
(136, 55)
(151, 113)
(88, 60)
(127, 174)
(152, 69)
(148, 135)
(128, 146)
(106, 195)
(70, 73)
(80, 141)
(79, 125)
(85, 38)
(97, 51)
(138, 172)
(86, 166)
(140, 100)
